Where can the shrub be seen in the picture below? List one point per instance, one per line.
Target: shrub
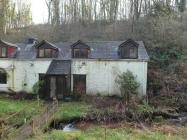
(128, 85)
(37, 86)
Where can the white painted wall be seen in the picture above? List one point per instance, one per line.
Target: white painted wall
(101, 75)
(22, 75)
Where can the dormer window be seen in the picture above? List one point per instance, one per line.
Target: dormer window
(80, 53)
(41, 53)
(80, 50)
(128, 50)
(46, 50)
(3, 52)
(7, 50)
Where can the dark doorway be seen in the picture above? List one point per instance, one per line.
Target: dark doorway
(55, 86)
(79, 84)
(62, 89)
(44, 91)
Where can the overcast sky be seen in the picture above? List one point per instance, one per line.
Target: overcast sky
(39, 11)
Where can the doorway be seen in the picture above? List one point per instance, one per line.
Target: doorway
(54, 86)
(79, 84)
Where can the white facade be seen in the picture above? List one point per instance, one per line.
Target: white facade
(100, 74)
(22, 75)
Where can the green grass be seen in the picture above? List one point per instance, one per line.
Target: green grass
(9, 107)
(125, 134)
(70, 110)
(98, 133)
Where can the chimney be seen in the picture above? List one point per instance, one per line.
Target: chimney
(32, 41)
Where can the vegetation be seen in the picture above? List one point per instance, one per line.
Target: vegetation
(37, 86)
(128, 85)
(101, 133)
(14, 14)
(161, 24)
(112, 131)
(71, 110)
(19, 110)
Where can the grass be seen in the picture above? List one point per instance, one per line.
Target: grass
(98, 133)
(9, 107)
(70, 110)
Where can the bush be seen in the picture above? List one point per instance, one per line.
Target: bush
(37, 86)
(128, 85)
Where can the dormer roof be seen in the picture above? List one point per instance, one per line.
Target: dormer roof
(129, 43)
(7, 44)
(80, 45)
(46, 44)
(98, 49)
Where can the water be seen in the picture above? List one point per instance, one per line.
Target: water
(68, 128)
(180, 120)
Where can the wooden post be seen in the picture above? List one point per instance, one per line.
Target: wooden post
(38, 100)
(56, 103)
(3, 127)
(33, 129)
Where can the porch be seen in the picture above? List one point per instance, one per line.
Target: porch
(57, 80)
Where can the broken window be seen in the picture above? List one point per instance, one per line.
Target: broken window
(3, 77)
(3, 52)
(80, 53)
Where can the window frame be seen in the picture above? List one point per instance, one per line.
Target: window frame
(80, 53)
(6, 52)
(43, 53)
(3, 77)
(50, 54)
(125, 52)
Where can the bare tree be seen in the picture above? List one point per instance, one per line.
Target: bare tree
(49, 4)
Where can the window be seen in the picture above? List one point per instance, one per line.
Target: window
(80, 53)
(129, 52)
(3, 77)
(132, 53)
(41, 53)
(47, 53)
(3, 52)
(54, 53)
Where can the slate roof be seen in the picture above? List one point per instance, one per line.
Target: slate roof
(98, 50)
(80, 44)
(7, 44)
(59, 67)
(128, 42)
(46, 45)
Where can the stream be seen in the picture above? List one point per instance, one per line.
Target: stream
(69, 127)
